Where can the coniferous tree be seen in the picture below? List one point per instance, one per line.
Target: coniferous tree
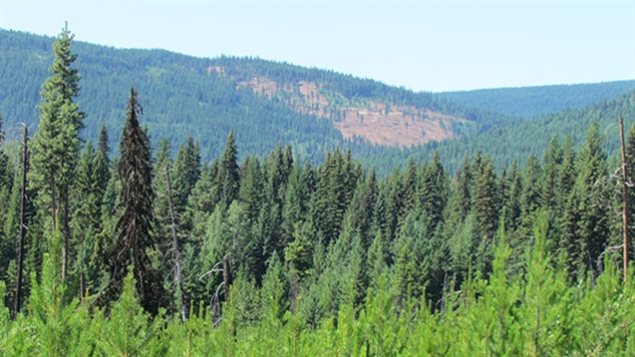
(567, 204)
(409, 188)
(134, 228)
(56, 143)
(593, 204)
(187, 170)
(328, 203)
(512, 204)
(86, 222)
(102, 159)
(361, 210)
(252, 188)
(485, 210)
(531, 195)
(432, 194)
(229, 172)
(549, 181)
(203, 199)
(567, 172)
(294, 210)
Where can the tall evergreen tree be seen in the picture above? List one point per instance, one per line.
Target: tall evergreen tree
(134, 228)
(56, 143)
(594, 204)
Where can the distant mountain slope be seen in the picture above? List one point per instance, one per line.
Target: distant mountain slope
(268, 103)
(532, 101)
(178, 97)
(516, 141)
(265, 103)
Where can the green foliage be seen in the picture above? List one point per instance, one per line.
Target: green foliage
(56, 144)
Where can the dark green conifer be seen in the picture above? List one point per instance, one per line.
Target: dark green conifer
(134, 228)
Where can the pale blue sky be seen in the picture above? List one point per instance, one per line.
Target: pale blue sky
(422, 45)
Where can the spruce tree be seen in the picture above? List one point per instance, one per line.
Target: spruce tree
(134, 228)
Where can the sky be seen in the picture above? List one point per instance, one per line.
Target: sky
(421, 45)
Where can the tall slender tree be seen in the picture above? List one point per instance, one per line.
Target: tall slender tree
(56, 143)
(134, 227)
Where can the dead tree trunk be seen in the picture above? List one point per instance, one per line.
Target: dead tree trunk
(624, 198)
(176, 254)
(23, 201)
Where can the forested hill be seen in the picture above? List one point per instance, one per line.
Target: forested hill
(264, 103)
(540, 100)
(267, 103)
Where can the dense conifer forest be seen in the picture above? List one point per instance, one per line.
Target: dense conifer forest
(149, 253)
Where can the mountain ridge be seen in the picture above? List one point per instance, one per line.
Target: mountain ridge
(207, 97)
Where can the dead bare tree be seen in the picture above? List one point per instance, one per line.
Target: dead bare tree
(222, 288)
(23, 201)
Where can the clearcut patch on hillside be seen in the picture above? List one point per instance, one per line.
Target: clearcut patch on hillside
(377, 122)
